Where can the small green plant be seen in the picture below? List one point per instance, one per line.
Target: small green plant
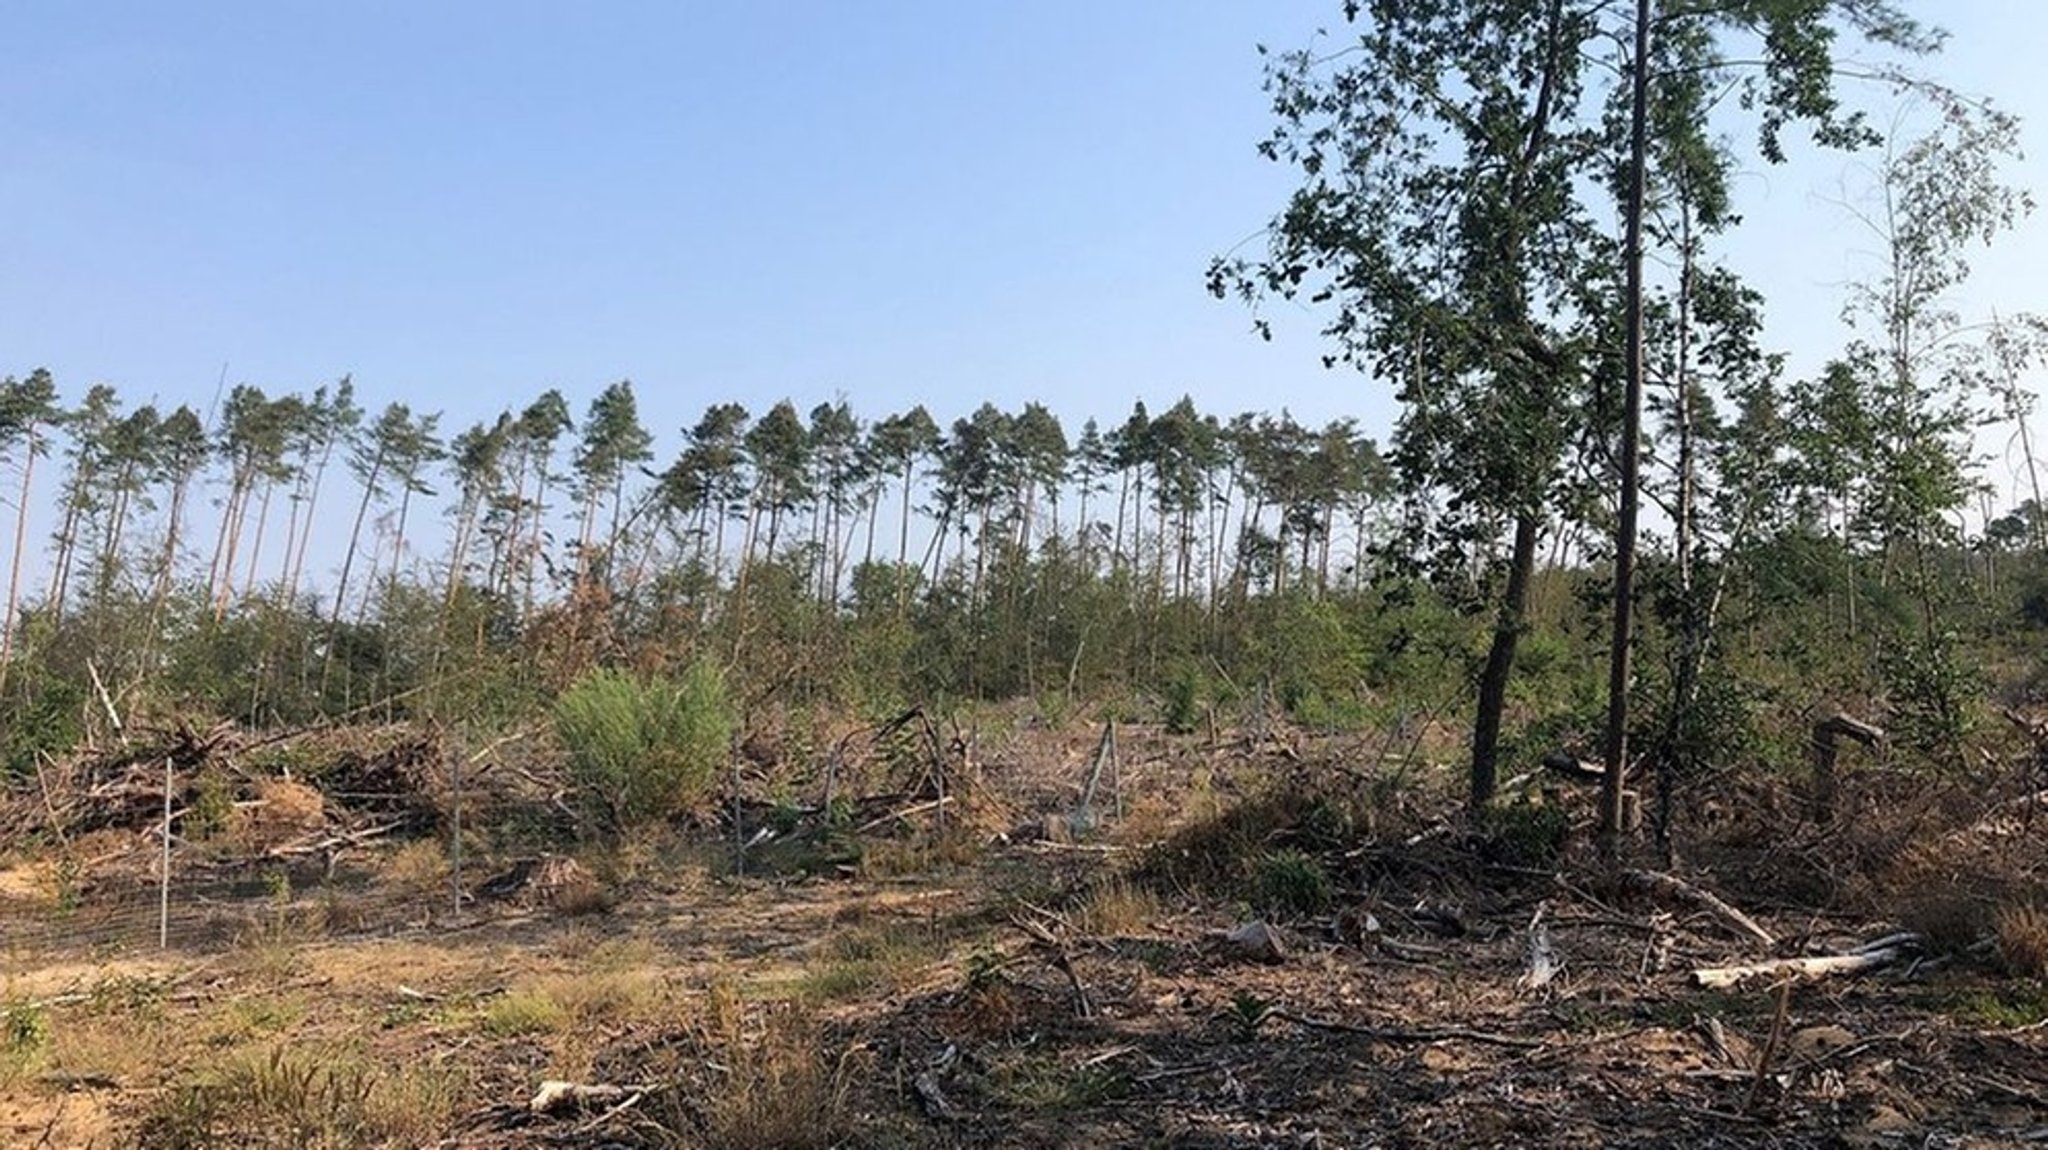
(212, 804)
(1246, 1014)
(1290, 882)
(1181, 710)
(642, 749)
(24, 1030)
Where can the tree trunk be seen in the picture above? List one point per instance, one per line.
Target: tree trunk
(1619, 655)
(1500, 661)
(28, 469)
(348, 561)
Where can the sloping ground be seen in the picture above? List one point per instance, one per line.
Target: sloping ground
(1006, 992)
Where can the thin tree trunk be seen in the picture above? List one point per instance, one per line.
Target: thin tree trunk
(348, 561)
(28, 469)
(1500, 662)
(1618, 673)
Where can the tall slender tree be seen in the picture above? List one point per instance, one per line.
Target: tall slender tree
(28, 407)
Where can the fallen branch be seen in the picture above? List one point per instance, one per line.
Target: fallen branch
(1400, 1035)
(937, 804)
(1670, 887)
(1870, 956)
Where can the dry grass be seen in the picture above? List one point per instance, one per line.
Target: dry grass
(2023, 940)
(418, 868)
(305, 1096)
(1116, 906)
(866, 958)
(762, 1076)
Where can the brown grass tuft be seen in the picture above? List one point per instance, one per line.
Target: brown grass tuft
(2023, 940)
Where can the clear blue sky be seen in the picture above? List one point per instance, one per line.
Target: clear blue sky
(942, 201)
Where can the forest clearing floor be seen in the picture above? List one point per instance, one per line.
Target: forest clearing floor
(992, 989)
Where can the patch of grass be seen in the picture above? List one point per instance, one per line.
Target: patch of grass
(2005, 1007)
(865, 958)
(250, 1018)
(1117, 906)
(1221, 854)
(760, 1077)
(521, 1012)
(419, 867)
(1043, 1084)
(303, 1097)
(24, 1033)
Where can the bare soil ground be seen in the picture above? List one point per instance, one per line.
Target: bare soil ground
(982, 988)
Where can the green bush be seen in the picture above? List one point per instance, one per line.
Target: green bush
(1290, 882)
(643, 749)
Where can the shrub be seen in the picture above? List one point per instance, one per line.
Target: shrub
(643, 749)
(1290, 882)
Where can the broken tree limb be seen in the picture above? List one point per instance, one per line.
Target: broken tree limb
(1826, 745)
(1671, 887)
(1868, 957)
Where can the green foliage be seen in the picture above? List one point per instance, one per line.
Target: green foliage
(24, 1030)
(46, 723)
(1290, 883)
(1182, 709)
(1246, 1013)
(645, 748)
(1934, 692)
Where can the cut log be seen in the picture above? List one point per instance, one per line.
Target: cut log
(1871, 956)
(1670, 887)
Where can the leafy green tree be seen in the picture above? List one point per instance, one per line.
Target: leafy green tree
(394, 447)
(836, 463)
(541, 427)
(1446, 222)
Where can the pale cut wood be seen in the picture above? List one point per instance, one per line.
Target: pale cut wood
(1871, 956)
(1673, 887)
